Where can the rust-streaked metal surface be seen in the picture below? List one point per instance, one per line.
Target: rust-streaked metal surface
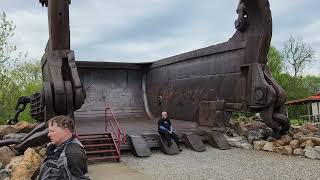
(230, 77)
(109, 86)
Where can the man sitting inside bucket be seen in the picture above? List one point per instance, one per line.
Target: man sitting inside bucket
(165, 129)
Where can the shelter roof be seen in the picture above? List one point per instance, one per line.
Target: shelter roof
(315, 98)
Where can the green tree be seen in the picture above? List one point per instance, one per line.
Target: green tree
(311, 83)
(275, 61)
(6, 31)
(19, 76)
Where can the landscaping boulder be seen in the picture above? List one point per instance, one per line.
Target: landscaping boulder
(278, 143)
(298, 152)
(268, 146)
(14, 136)
(240, 142)
(254, 125)
(240, 128)
(315, 140)
(317, 148)
(294, 130)
(4, 174)
(310, 127)
(294, 144)
(286, 139)
(310, 152)
(27, 166)
(285, 150)
(309, 143)
(258, 145)
(24, 127)
(254, 136)
(298, 135)
(6, 154)
(7, 129)
(20, 127)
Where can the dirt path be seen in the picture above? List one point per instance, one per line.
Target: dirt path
(115, 171)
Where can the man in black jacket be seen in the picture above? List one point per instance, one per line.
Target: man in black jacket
(165, 129)
(66, 158)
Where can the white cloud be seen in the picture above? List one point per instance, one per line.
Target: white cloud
(31, 32)
(147, 30)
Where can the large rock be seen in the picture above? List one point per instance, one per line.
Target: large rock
(240, 142)
(315, 140)
(218, 140)
(14, 162)
(278, 143)
(266, 133)
(230, 132)
(285, 150)
(240, 128)
(298, 135)
(254, 125)
(14, 136)
(293, 130)
(268, 146)
(41, 151)
(6, 154)
(20, 127)
(305, 131)
(298, 152)
(4, 174)
(258, 145)
(309, 143)
(310, 152)
(24, 127)
(312, 127)
(288, 150)
(29, 165)
(7, 129)
(303, 145)
(294, 144)
(254, 136)
(286, 139)
(317, 148)
(271, 139)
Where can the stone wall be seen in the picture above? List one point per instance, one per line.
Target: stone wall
(300, 141)
(19, 167)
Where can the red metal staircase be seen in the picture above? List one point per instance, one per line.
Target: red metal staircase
(106, 145)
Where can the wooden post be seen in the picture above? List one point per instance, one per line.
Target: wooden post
(308, 107)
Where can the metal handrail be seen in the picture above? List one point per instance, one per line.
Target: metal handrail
(116, 129)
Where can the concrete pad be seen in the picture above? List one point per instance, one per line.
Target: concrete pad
(114, 171)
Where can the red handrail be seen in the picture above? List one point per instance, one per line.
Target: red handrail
(116, 130)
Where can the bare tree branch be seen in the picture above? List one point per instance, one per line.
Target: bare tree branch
(297, 54)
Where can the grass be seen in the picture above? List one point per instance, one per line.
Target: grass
(296, 122)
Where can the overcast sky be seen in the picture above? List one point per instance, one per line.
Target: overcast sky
(148, 30)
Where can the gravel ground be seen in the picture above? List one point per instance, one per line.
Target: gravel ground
(218, 164)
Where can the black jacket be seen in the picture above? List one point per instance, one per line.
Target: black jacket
(76, 157)
(164, 125)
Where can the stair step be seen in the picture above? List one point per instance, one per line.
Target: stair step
(101, 151)
(96, 134)
(95, 139)
(102, 158)
(98, 145)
